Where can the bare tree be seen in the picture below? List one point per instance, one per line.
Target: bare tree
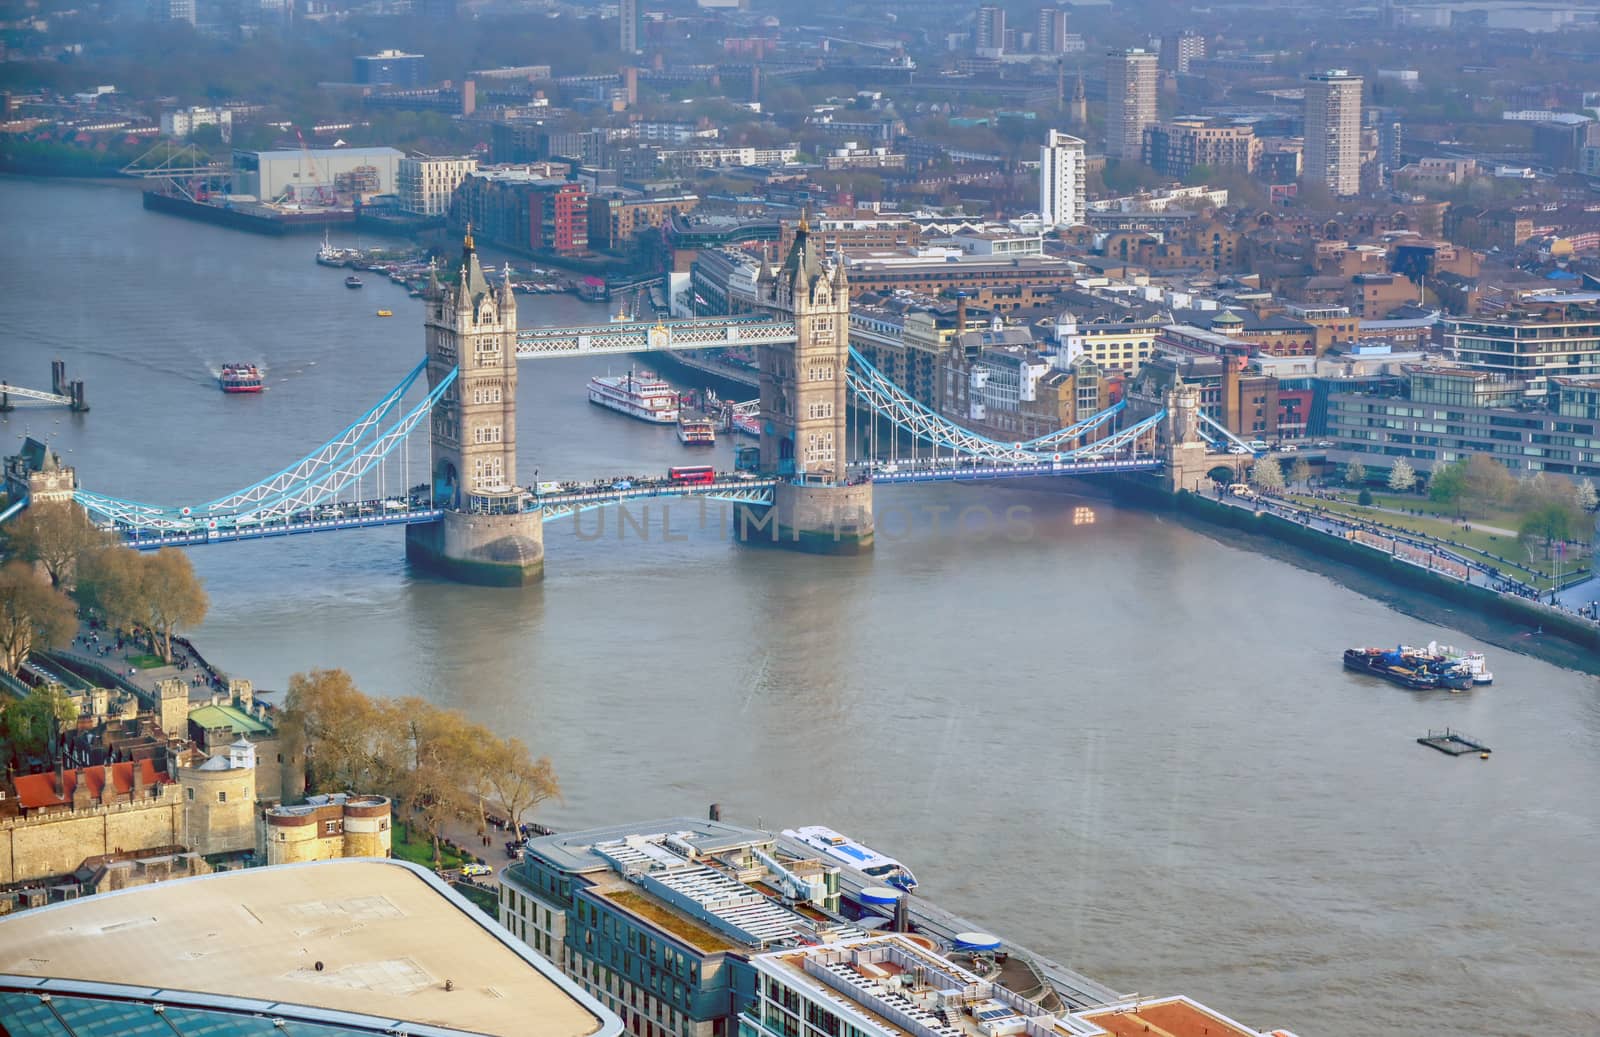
(1268, 475)
(173, 595)
(338, 725)
(32, 615)
(56, 535)
(519, 781)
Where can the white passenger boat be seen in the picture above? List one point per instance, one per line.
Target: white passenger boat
(697, 432)
(852, 854)
(1473, 662)
(645, 397)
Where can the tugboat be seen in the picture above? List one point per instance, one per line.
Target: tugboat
(353, 281)
(1395, 667)
(237, 378)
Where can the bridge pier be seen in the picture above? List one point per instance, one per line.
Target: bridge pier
(816, 519)
(487, 550)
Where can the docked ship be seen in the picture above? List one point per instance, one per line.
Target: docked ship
(1473, 662)
(853, 855)
(240, 378)
(697, 431)
(1409, 667)
(749, 424)
(353, 281)
(645, 397)
(328, 255)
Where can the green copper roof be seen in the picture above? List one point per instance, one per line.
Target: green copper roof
(211, 717)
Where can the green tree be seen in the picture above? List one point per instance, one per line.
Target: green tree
(1402, 477)
(1300, 472)
(1267, 475)
(1551, 521)
(56, 535)
(1448, 486)
(1355, 474)
(27, 723)
(33, 615)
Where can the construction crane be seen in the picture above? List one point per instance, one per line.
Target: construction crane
(321, 196)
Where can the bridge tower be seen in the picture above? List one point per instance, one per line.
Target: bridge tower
(484, 536)
(1188, 467)
(804, 417)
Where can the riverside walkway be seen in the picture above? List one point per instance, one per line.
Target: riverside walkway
(1422, 551)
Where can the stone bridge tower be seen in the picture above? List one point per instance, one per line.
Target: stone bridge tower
(804, 412)
(484, 536)
(1188, 466)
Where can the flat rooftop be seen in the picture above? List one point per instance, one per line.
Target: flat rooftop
(1170, 1017)
(365, 937)
(898, 985)
(575, 851)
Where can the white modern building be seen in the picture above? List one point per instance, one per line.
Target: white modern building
(1061, 180)
(898, 986)
(184, 121)
(425, 182)
(315, 175)
(1333, 131)
(1130, 101)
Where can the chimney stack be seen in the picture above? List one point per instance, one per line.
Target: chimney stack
(902, 913)
(961, 312)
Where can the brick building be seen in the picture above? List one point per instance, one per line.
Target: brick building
(516, 209)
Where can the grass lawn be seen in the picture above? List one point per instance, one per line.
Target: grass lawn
(146, 661)
(417, 848)
(484, 900)
(1411, 502)
(1488, 547)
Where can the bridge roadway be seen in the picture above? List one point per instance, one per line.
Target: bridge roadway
(972, 471)
(8, 392)
(647, 336)
(578, 497)
(1074, 988)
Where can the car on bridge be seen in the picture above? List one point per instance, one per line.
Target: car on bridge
(622, 484)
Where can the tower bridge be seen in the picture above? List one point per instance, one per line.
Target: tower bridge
(468, 520)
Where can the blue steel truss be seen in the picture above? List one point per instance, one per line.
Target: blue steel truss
(873, 388)
(336, 465)
(1229, 437)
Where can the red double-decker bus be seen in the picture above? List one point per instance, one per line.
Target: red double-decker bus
(695, 474)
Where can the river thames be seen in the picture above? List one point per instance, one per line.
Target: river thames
(1117, 739)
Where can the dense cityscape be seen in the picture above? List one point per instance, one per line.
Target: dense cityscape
(916, 519)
